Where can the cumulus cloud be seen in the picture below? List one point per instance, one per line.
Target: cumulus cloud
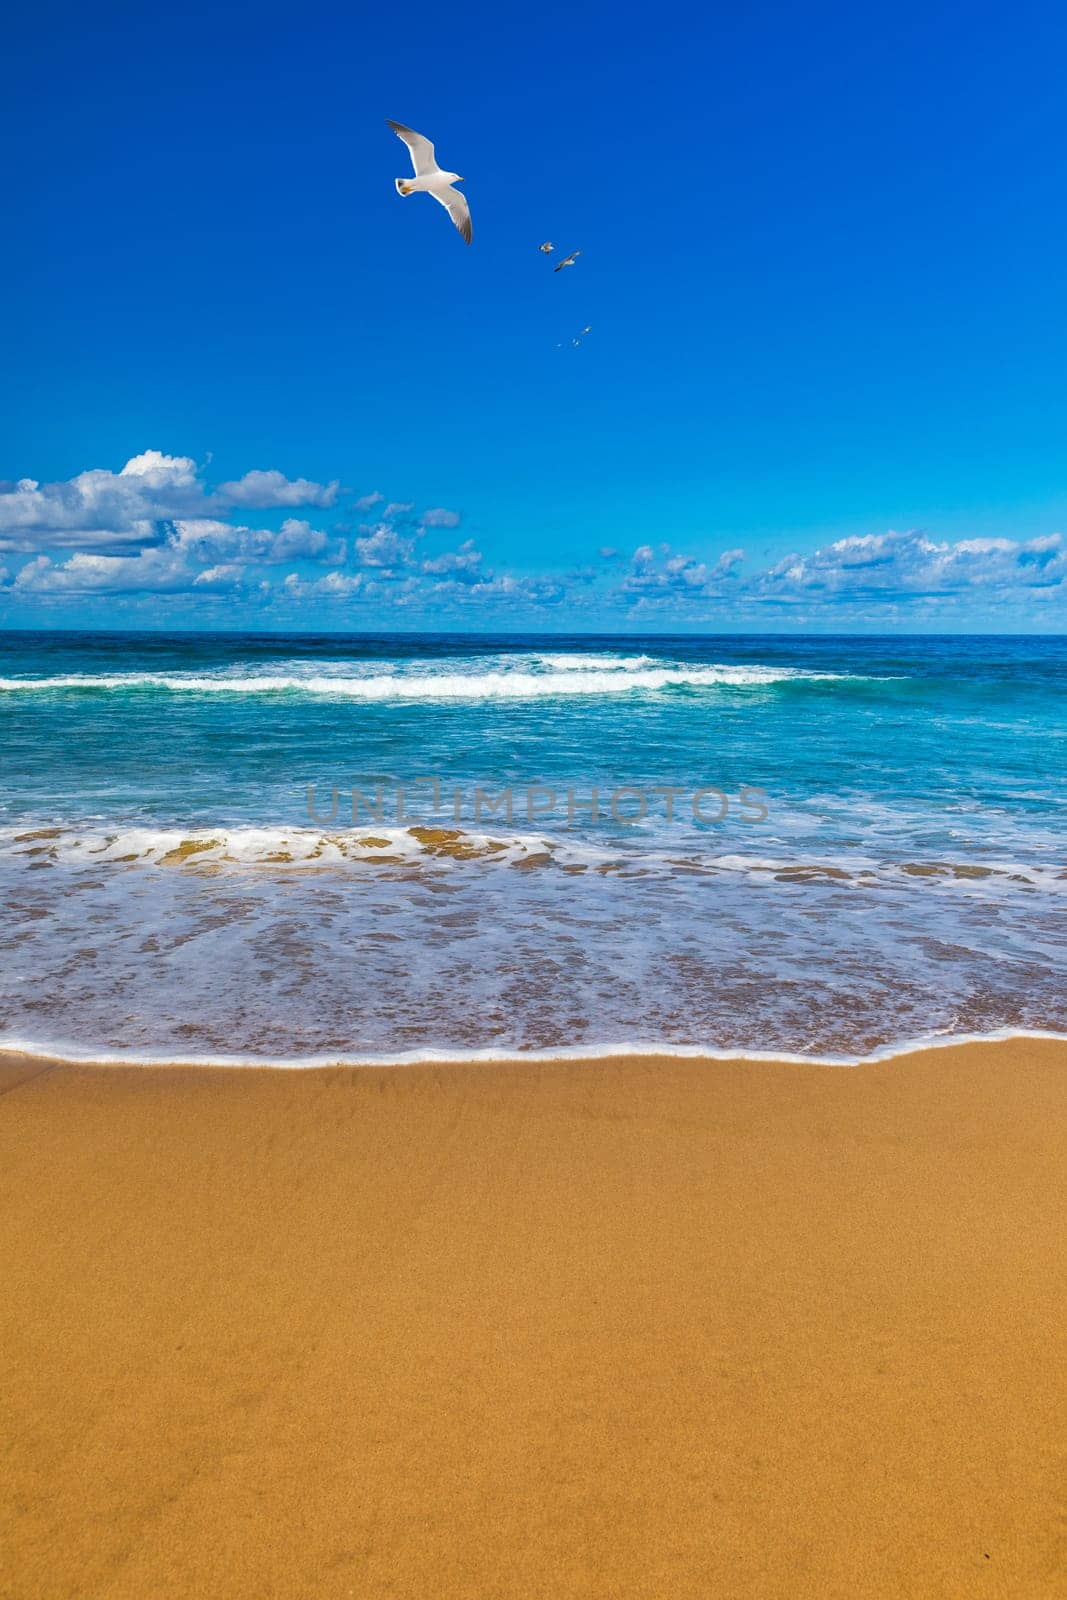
(295, 539)
(465, 559)
(909, 566)
(264, 489)
(157, 471)
(150, 572)
(207, 538)
(226, 576)
(384, 547)
(334, 586)
(98, 508)
(507, 589)
(664, 572)
(101, 510)
(155, 527)
(854, 575)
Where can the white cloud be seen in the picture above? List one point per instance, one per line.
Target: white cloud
(511, 591)
(864, 573)
(264, 489)
(661, 572)
(465, 559)
(154, 527)
(384, 547)
(334, 586)
(206, 538)
(157, 471)
(910, 566)
(221, 577)
(98, 508)
(150, 572)
(295, 539)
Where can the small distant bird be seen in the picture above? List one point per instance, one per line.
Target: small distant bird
(430, 179)
(568, 261)
(547, 248)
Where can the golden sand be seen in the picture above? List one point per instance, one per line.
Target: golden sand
(639, 1328)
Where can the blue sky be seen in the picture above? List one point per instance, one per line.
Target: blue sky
(823, 263)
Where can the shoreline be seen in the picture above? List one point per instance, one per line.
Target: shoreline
(768, 1332)
(64, 1055)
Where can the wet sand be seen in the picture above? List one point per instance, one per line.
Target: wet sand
(634, 1328)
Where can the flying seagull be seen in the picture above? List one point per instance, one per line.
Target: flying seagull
(547, 248)
(429, 178)
(568, 261)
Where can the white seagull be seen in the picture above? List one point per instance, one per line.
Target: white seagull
(429, 178)
(547, 248)
(568, 261)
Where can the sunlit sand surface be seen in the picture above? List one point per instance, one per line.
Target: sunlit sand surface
(639, 1328)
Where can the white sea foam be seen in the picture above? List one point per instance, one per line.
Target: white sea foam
(294, 848)
(443, 842)
(495, 685)
(62, 1051)
(431, 843)
(581, 663)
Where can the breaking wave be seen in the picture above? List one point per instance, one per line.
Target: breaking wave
(378, 845)
(497, 685)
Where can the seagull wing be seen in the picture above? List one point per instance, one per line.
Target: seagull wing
(420, 149)
(456, 206)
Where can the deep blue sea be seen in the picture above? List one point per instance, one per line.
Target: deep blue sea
(292, 848)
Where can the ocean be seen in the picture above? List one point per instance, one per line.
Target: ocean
(297, 848)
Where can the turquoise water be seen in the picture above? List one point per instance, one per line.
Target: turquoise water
(875, 854)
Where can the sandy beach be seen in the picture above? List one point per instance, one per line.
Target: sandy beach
(631, 1328)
